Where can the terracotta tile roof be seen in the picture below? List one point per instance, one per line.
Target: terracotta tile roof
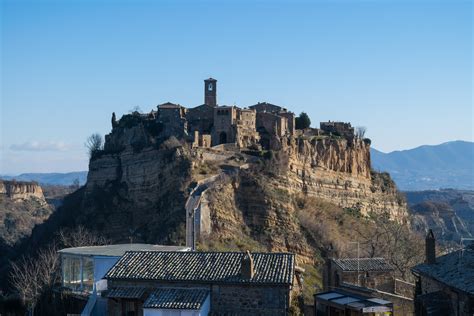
(177, 298)
(126, 292)
(455, 269)
(203, 267)
(363, 264)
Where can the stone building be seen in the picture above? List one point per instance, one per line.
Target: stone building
(210, 124)
(234, 283)
(338, 129)
(224, 130)
(221, 124)
(372, 277)
(173, 119)
(445, 284)
(273, 122)
(210, 92)
(374, 273)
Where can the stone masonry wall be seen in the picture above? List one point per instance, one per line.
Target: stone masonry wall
(227, 299)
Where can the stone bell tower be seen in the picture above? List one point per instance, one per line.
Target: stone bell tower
(210, 92)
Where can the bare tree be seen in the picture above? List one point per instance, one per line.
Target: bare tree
(360, 131)
(32, 277)
(393, 241)
(80, 236)
(94, 144)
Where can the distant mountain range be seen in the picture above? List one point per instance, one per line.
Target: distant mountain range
(51, 178)
(448, 165)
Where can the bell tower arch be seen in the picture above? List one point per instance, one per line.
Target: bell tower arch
(210, 92)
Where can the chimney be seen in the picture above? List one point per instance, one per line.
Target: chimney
(246, 266)
(430, 244)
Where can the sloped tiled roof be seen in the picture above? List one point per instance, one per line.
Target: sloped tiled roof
(455, 269)
(208, 267)
(126, 292)
(176, 298)
(363, 264)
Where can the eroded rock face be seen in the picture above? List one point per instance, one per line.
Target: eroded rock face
(21, 190)
(138, 195)
(441, 218)
(22, 206)
(338, 170)
(137, 187)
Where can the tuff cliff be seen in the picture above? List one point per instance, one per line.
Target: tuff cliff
(138, 184)
(15, 190)
(339, 170)
(447, 226)
(263, 200)
(22, 206)
(136, 188)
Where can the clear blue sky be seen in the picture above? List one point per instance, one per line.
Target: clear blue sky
(403, 69)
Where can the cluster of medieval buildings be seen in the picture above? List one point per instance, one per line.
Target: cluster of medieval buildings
(210, 124)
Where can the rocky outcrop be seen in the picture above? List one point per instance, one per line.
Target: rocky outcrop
(441, 218)
(339, 170)
(22, 206)
(138, 195)
(21, 190)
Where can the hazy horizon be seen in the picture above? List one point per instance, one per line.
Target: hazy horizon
(402, 69)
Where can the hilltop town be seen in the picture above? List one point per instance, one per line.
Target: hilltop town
(228, 210)
(263, 125)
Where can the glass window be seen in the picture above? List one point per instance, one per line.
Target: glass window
(78, 273)
(72, 272)
(87, 273)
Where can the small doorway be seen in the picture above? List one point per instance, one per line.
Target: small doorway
(223, 138)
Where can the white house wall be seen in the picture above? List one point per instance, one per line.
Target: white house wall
(102, 265)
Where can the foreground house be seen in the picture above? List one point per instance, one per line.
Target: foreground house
(83, 270)
(201, 283)
(445, 284)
